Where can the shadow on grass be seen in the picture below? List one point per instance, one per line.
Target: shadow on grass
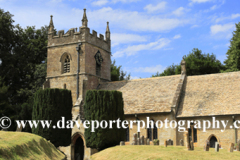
(30, 150)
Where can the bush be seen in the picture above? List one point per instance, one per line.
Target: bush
(104, 105)
(156, 142)
(52, 104)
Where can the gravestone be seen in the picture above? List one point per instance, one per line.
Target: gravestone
(181, 142)
(165, 143)
(142, 140)
(134, 139)
(122, 143)
(138, 141)
(145, 141)
(216, 147)
(238, 145)
(170, 142)
(206, 145)
(230, 148)
(191, 145)
(148, 141)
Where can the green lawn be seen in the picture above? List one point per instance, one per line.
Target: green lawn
(147, 152)
(20, 145)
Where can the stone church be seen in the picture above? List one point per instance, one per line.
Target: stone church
(79, 61)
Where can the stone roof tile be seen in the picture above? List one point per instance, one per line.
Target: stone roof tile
(149, 95)
(209, 95)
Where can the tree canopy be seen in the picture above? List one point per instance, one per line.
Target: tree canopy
(117, 74)
(197, 63)
(22, 61)
(232, 63)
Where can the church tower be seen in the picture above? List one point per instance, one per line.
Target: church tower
(78, 60)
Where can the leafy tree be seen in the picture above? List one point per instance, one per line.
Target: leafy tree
(22, 58)
(232, 63)
(171, 70)
(5, 108)
(196, 64)
(117, 74)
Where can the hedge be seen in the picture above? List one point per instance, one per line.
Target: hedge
(104, 105)
(53, 104)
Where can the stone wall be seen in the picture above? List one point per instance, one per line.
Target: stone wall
(224, 138)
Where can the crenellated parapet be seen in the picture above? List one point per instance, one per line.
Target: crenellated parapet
(83, 35)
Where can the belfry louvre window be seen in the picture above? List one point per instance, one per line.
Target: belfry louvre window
(66, 65)
(98, 70)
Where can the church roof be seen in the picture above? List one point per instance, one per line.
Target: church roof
(208, 95)
(149, 95)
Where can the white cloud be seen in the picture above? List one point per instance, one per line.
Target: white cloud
(134, 49)
(222, 31)
(177, 36)
(121, 38)
(153, 8)
(199, 1)
(233, 16)
(222, 28)
(124, 1)
(99, 2)
(179, 11)
(194, 26)
(213, 7)
(134, 77)
(152, 69)
(133, 20)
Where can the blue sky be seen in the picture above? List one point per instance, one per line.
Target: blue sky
(147, 36)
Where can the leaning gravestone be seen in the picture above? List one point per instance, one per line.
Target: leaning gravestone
(230, 148)
(206, 145)
(165, 143)
(181, 142)
(216, 146)
(122, 143)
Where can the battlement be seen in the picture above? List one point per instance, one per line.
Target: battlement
(84, 35)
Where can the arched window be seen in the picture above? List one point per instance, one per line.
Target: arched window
(127, 134)
(64, 86)
(66, 65)
(150, 130)
(149, 133)
(99, 60)
(155, 132)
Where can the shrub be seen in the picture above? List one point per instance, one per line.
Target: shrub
(52, 104)
(104, 105)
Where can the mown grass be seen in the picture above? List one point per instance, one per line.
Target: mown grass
(150, 152)
(20, 145)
